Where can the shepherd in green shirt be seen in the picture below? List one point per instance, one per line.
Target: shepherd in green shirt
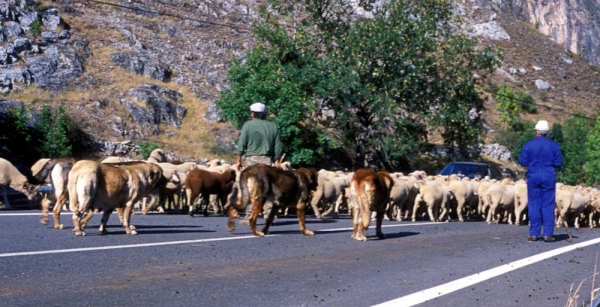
(259, 140)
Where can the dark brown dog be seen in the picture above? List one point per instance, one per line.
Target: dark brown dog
(370, 191)
(204, 183)
(284, 188)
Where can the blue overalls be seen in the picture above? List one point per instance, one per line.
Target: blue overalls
(541, 156)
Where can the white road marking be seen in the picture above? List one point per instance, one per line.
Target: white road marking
(435, 292)
(86, 249)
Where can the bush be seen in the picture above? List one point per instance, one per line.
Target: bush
(56, 130)
(146, 148)
(35, 28)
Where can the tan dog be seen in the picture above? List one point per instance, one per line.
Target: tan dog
(369, 191)
(108, 187)
(260, 182)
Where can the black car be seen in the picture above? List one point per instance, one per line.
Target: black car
(472, 170)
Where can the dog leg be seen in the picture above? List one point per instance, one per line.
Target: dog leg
(45, 208)
(301, 212)
(232, 213)
(129, 229)
(379, 221)
(87, 218)
(270, 218)
(105, 215)
(257, 207)
(77, 225)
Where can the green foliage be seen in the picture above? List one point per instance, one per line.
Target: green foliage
(592, 151)
(575, 130)
(527, 103)
(146, 148)
(35, 28)
(57, 131)
(556, 134)
(18, 129)
(389, 79)
(511, 104)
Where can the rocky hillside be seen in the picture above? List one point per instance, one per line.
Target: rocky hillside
(150, 70)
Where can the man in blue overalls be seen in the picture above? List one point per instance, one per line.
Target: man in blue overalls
(541, 156)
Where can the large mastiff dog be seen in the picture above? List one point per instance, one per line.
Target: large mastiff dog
(108, 187)
(369, 191)
(260, 182)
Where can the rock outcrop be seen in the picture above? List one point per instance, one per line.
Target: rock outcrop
(575, 24)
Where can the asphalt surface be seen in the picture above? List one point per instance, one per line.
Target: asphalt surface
(176, 260)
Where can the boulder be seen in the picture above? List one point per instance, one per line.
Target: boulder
(542, 85)
(13, 29)
(492, 30)
(8, 54)
(213, 115)
(140, 116)
(51, 19)
(22, 75)
(143, 63)
(26, 18)
(56, 68)
(22, 44)
(161, 102)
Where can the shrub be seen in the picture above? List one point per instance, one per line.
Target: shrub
(35, 28)
(146, 148)
(56, 130)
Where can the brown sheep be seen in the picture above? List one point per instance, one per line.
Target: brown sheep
(204, 183)
(10, 177)
(369, 191)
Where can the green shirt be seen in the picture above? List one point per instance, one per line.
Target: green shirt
(260, 138)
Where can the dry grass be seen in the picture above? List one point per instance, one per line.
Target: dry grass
(527, 48)
(574, 294)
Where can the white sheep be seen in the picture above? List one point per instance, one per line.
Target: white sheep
(435, 196)
(520, 201)
(10, 177)
(500, 197)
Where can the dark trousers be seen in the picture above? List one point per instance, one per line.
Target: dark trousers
(541, 193)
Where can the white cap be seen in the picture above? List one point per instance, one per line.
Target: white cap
(257, 107)
(542, 125)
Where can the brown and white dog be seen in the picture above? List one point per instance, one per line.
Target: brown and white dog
(369, 191)
(108, 187)
(284, 188)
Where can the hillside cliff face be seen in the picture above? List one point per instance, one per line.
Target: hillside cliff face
(574, 24)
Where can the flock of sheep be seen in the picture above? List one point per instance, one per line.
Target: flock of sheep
(415, 195)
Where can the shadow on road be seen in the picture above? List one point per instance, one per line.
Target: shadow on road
(396, 235)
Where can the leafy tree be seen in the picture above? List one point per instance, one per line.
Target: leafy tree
(57, 130)
(389, 79)
(575, 130)
(556, 134)
(592, 151)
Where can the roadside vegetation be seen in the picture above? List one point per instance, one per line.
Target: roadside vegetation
(377, 86)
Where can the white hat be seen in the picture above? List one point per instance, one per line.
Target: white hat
(542, 125)
(257, 107)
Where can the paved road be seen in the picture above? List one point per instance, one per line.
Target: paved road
(177, 260)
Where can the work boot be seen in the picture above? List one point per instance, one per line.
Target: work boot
(549, 239)
(533, 238)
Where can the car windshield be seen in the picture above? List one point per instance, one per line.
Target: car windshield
(469, 170)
